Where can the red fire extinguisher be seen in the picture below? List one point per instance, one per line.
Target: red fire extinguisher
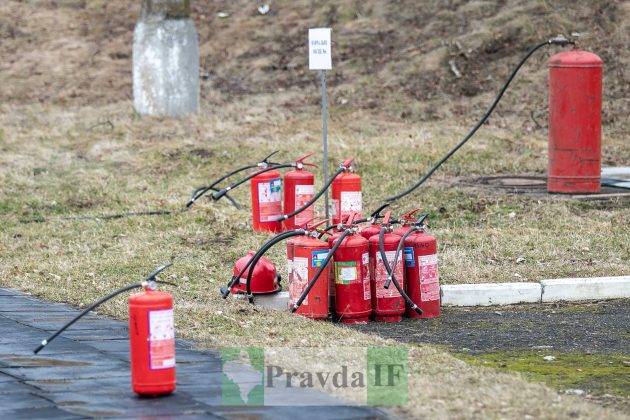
(306, 255)
(388, 303)
(266, 192)
(575, 103)
(299, 188)
(152, 342)
(151, 335)
(421, 270)
(353, 298)
(346, 193)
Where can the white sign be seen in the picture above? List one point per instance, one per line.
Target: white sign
(319, 49)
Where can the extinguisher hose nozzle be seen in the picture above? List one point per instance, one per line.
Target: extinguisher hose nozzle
(40, 347)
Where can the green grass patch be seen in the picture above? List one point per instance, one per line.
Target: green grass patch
(596, 374)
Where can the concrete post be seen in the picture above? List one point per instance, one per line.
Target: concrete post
(165, 60)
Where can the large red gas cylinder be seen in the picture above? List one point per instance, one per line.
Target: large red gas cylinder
(346, 196)
(264, 278)
(388, 304)
(575, 103)
(266, 192)
(308, 253)
(299, 188)
(421, 274)
(352, 280)
(152, 342)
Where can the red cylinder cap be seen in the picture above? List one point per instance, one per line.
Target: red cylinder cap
(575, 58)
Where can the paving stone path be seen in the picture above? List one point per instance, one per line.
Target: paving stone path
(85, 373)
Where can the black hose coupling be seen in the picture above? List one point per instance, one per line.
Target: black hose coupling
(219, 194)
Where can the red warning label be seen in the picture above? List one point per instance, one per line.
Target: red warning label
(303, 193)
(381, 275)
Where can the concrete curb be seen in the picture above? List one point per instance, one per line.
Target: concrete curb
(486, 294)
(555, 290)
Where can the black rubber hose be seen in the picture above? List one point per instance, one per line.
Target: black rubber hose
(398, 249)
(390, 272)
(314, 198)
(217, 195)
(262, 251)
(199, 192)
(401, 243)
(557, 41)
(225, 291)
(321, 269)
(150, 277)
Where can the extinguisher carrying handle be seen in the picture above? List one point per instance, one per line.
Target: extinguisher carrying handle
(299, 163)
(390, 272)
(321, 269)
(144, 283)
(219, 194)
(377, 213)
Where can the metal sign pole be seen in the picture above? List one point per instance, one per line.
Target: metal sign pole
(325, 136)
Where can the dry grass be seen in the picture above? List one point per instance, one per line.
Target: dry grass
(55, 162)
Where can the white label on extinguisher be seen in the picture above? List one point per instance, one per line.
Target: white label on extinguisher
(303, 193)
(270, 200)
(380, 276)
(429, 278)
(351, 201)
(365, 260)
(161, 339)
(299, 279)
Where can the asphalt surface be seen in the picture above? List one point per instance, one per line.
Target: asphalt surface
(85, 373)
(591, 328)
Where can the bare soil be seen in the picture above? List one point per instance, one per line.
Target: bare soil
(395, 56)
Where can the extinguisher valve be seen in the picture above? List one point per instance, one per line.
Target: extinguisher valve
(346, 165)
(149, 284)
(561, 40)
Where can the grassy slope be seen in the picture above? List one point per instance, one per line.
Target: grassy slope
(57, 160)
